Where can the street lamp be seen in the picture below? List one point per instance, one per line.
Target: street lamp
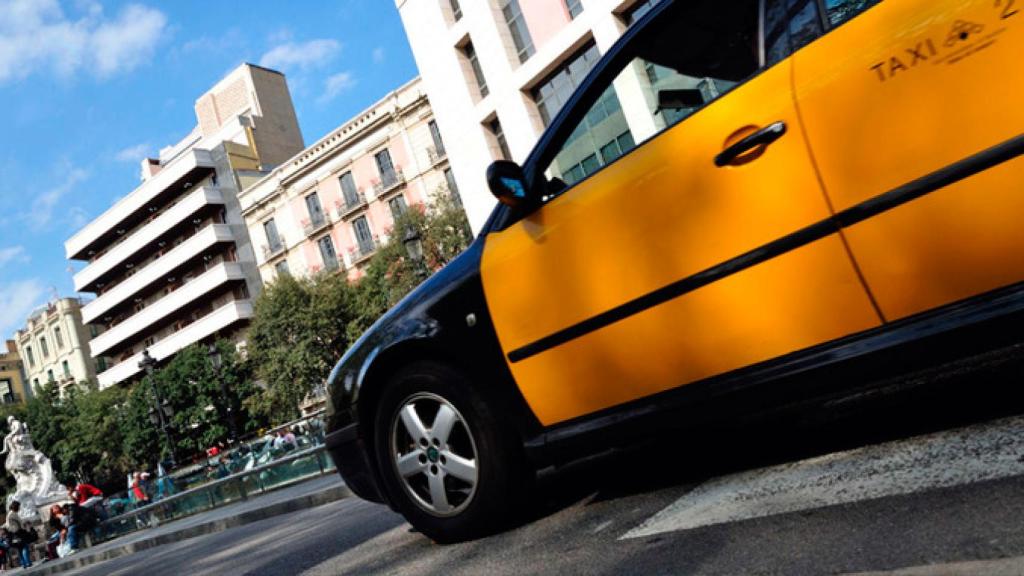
(161, 411)
(229, 401)
(414, 246)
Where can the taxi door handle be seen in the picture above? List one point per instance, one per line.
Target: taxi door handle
(762, 138)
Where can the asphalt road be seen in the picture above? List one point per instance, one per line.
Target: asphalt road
(923, 481)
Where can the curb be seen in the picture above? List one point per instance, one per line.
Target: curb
(83, 558)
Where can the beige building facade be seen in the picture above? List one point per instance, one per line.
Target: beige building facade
(332, 205)
(54, 346)
(171, 263)
(498, 71)
(13, 387)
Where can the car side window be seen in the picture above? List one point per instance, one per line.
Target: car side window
(691, 54)
(789, 25)
(840, 11)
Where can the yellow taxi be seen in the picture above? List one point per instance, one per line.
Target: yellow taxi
(741, 202)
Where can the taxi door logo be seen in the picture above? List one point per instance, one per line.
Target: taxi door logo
(962, 31)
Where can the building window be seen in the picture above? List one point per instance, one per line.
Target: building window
(93, 331)
(281, 268)
(101, 364)
(348, 190)
(575, 7)
(44, 347)
(435, 135)
(364, 239)
(551, 94)
(453, 189)
(517, 27)
(638, 10)
(315, 210)
(58, 338)
(31, 356)
(478, 73)
(456, 10)
(388, 176)
(327, 253)
(398, 206)
(35, 383)
(67, 369)
(499, 136)
(49, 375)
(7, 391)
(273, 238)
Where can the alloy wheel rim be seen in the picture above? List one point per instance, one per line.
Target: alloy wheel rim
(436, 465)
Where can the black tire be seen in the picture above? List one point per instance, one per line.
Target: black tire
(501, 474)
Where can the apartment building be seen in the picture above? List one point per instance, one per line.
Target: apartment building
(171, 263)
(497, 72)
(54, 345)
(333, 204)
(13, 387)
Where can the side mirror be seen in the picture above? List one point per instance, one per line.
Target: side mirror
(507, 183)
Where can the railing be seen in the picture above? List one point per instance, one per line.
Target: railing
(274, 249)
(389, 180)
(364, 249)
(313, 225)
(436, 154)
(286, 471)
(350, 205)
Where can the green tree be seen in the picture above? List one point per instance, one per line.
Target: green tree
(296, 336)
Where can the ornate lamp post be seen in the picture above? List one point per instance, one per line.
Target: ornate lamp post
(161, 411)
(414, 246)
(229, 401)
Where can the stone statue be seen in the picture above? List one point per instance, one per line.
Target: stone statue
(32, 471)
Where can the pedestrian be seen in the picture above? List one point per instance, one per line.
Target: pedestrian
(89, 497)
(56, 524)
(5, 547)
(22, 534)
(139, 489)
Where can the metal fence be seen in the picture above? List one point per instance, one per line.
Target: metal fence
(284, 471)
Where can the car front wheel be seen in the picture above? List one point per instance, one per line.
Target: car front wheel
(450, 466)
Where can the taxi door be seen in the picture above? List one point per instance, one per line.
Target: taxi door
(914, 113)
(659, 266)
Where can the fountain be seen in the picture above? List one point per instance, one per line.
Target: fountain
(36, 487)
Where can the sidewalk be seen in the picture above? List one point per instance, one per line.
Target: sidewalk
(315, 492)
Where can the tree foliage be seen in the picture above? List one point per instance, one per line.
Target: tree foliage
(101, 435)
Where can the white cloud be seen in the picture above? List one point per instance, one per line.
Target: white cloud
(300, 55)
(17, 299)
(132, 153)
(13, 253)
(37, 35)
(335, 85)
(43, 207)
(378, 55)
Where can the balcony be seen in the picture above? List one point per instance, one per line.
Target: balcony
(273, 250)
(212, 323)
(191, 166)
(389, 180)
(350, 205)
(311, 226)
(363, 250)
(436, 154)
(149, 316)
(157, 270)
(147, 235)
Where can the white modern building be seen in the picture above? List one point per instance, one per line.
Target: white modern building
(331, 206)
(497, 72)
(171, 263)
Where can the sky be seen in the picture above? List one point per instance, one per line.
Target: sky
(88, 88)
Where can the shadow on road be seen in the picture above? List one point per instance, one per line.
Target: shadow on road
(977, 389)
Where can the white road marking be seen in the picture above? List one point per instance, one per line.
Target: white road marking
(950, 458)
